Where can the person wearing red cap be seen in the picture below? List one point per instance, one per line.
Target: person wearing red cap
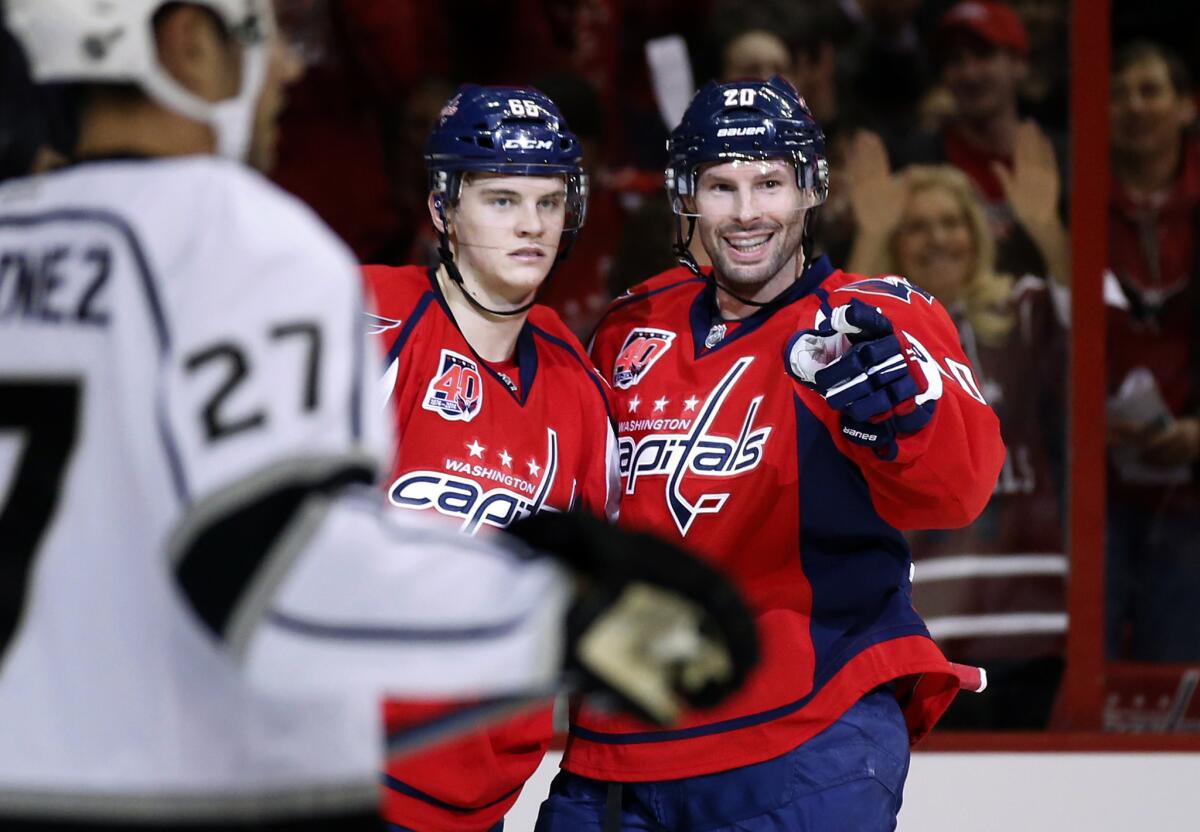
(982, 49)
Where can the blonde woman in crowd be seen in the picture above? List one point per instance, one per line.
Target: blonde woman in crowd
(993, 593)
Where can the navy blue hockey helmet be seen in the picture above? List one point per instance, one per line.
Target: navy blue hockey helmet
(747, 120)
(516, 131)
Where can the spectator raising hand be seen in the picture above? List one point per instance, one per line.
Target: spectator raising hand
(876, 195)
(877, 198)
(1032, 187)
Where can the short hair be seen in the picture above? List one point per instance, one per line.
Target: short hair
(1139, 51)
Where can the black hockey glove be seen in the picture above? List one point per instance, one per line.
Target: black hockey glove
(857, 363)
(652, 625)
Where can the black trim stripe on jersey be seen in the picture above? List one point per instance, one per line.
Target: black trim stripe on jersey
(403, 788)
(356, 377)
(625, 300)
(146, 276)
(219, 557)
(705, 311)
(588, 369)
(407, 738)
(407, 329)
(526, 354)
(375, 632)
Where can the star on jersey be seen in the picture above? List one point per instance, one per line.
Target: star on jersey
(534, 468)
(698, 453)
(690, 403)
(633, 404)
(505, 459)
(476, 449)
(660, 404)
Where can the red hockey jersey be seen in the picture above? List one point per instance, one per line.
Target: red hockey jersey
(722, 451)
(483, 445)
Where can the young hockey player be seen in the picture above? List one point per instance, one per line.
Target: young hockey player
(499, 411)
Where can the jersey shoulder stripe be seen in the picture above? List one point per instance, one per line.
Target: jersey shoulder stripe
(657, 285)
(585, 366)
(400, 296)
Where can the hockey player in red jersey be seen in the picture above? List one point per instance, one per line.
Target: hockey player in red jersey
(786, 420)
(498, 408)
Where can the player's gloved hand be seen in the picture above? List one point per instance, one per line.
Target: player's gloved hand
(653, 626)
(857, 363)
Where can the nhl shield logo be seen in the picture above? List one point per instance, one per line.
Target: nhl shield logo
(456, 392)
(643, 346)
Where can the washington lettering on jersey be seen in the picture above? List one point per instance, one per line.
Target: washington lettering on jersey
(463, 496)
(698, 452)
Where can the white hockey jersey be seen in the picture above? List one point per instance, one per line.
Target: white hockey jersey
(199, 609)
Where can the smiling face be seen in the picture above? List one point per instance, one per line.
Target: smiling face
(505, 231)
(751, 223)
(983, 78)
(1148, 114)
(934, 246)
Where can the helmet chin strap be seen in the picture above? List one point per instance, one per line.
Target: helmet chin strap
(683, 254)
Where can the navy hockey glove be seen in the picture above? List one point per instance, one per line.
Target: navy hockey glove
(652, 625)
(856, 362)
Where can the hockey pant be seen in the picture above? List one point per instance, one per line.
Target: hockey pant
(850, 776)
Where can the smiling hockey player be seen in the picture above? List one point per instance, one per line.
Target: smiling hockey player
(787, 420)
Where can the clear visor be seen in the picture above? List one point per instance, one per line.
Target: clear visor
(745, 188)
(510, 213)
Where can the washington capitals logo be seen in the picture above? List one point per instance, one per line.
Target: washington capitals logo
(891, 285)
(643, 346)
(378, 324)
(456, 392)
(697, 453)
(459, 491)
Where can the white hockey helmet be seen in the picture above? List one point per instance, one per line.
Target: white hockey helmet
(112, 41)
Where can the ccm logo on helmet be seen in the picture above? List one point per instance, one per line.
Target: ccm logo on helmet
(740, 131)
(526, 143)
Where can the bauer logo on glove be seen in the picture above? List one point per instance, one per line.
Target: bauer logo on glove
(857, 363)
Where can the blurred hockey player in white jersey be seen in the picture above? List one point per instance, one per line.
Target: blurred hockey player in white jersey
(202, 598)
